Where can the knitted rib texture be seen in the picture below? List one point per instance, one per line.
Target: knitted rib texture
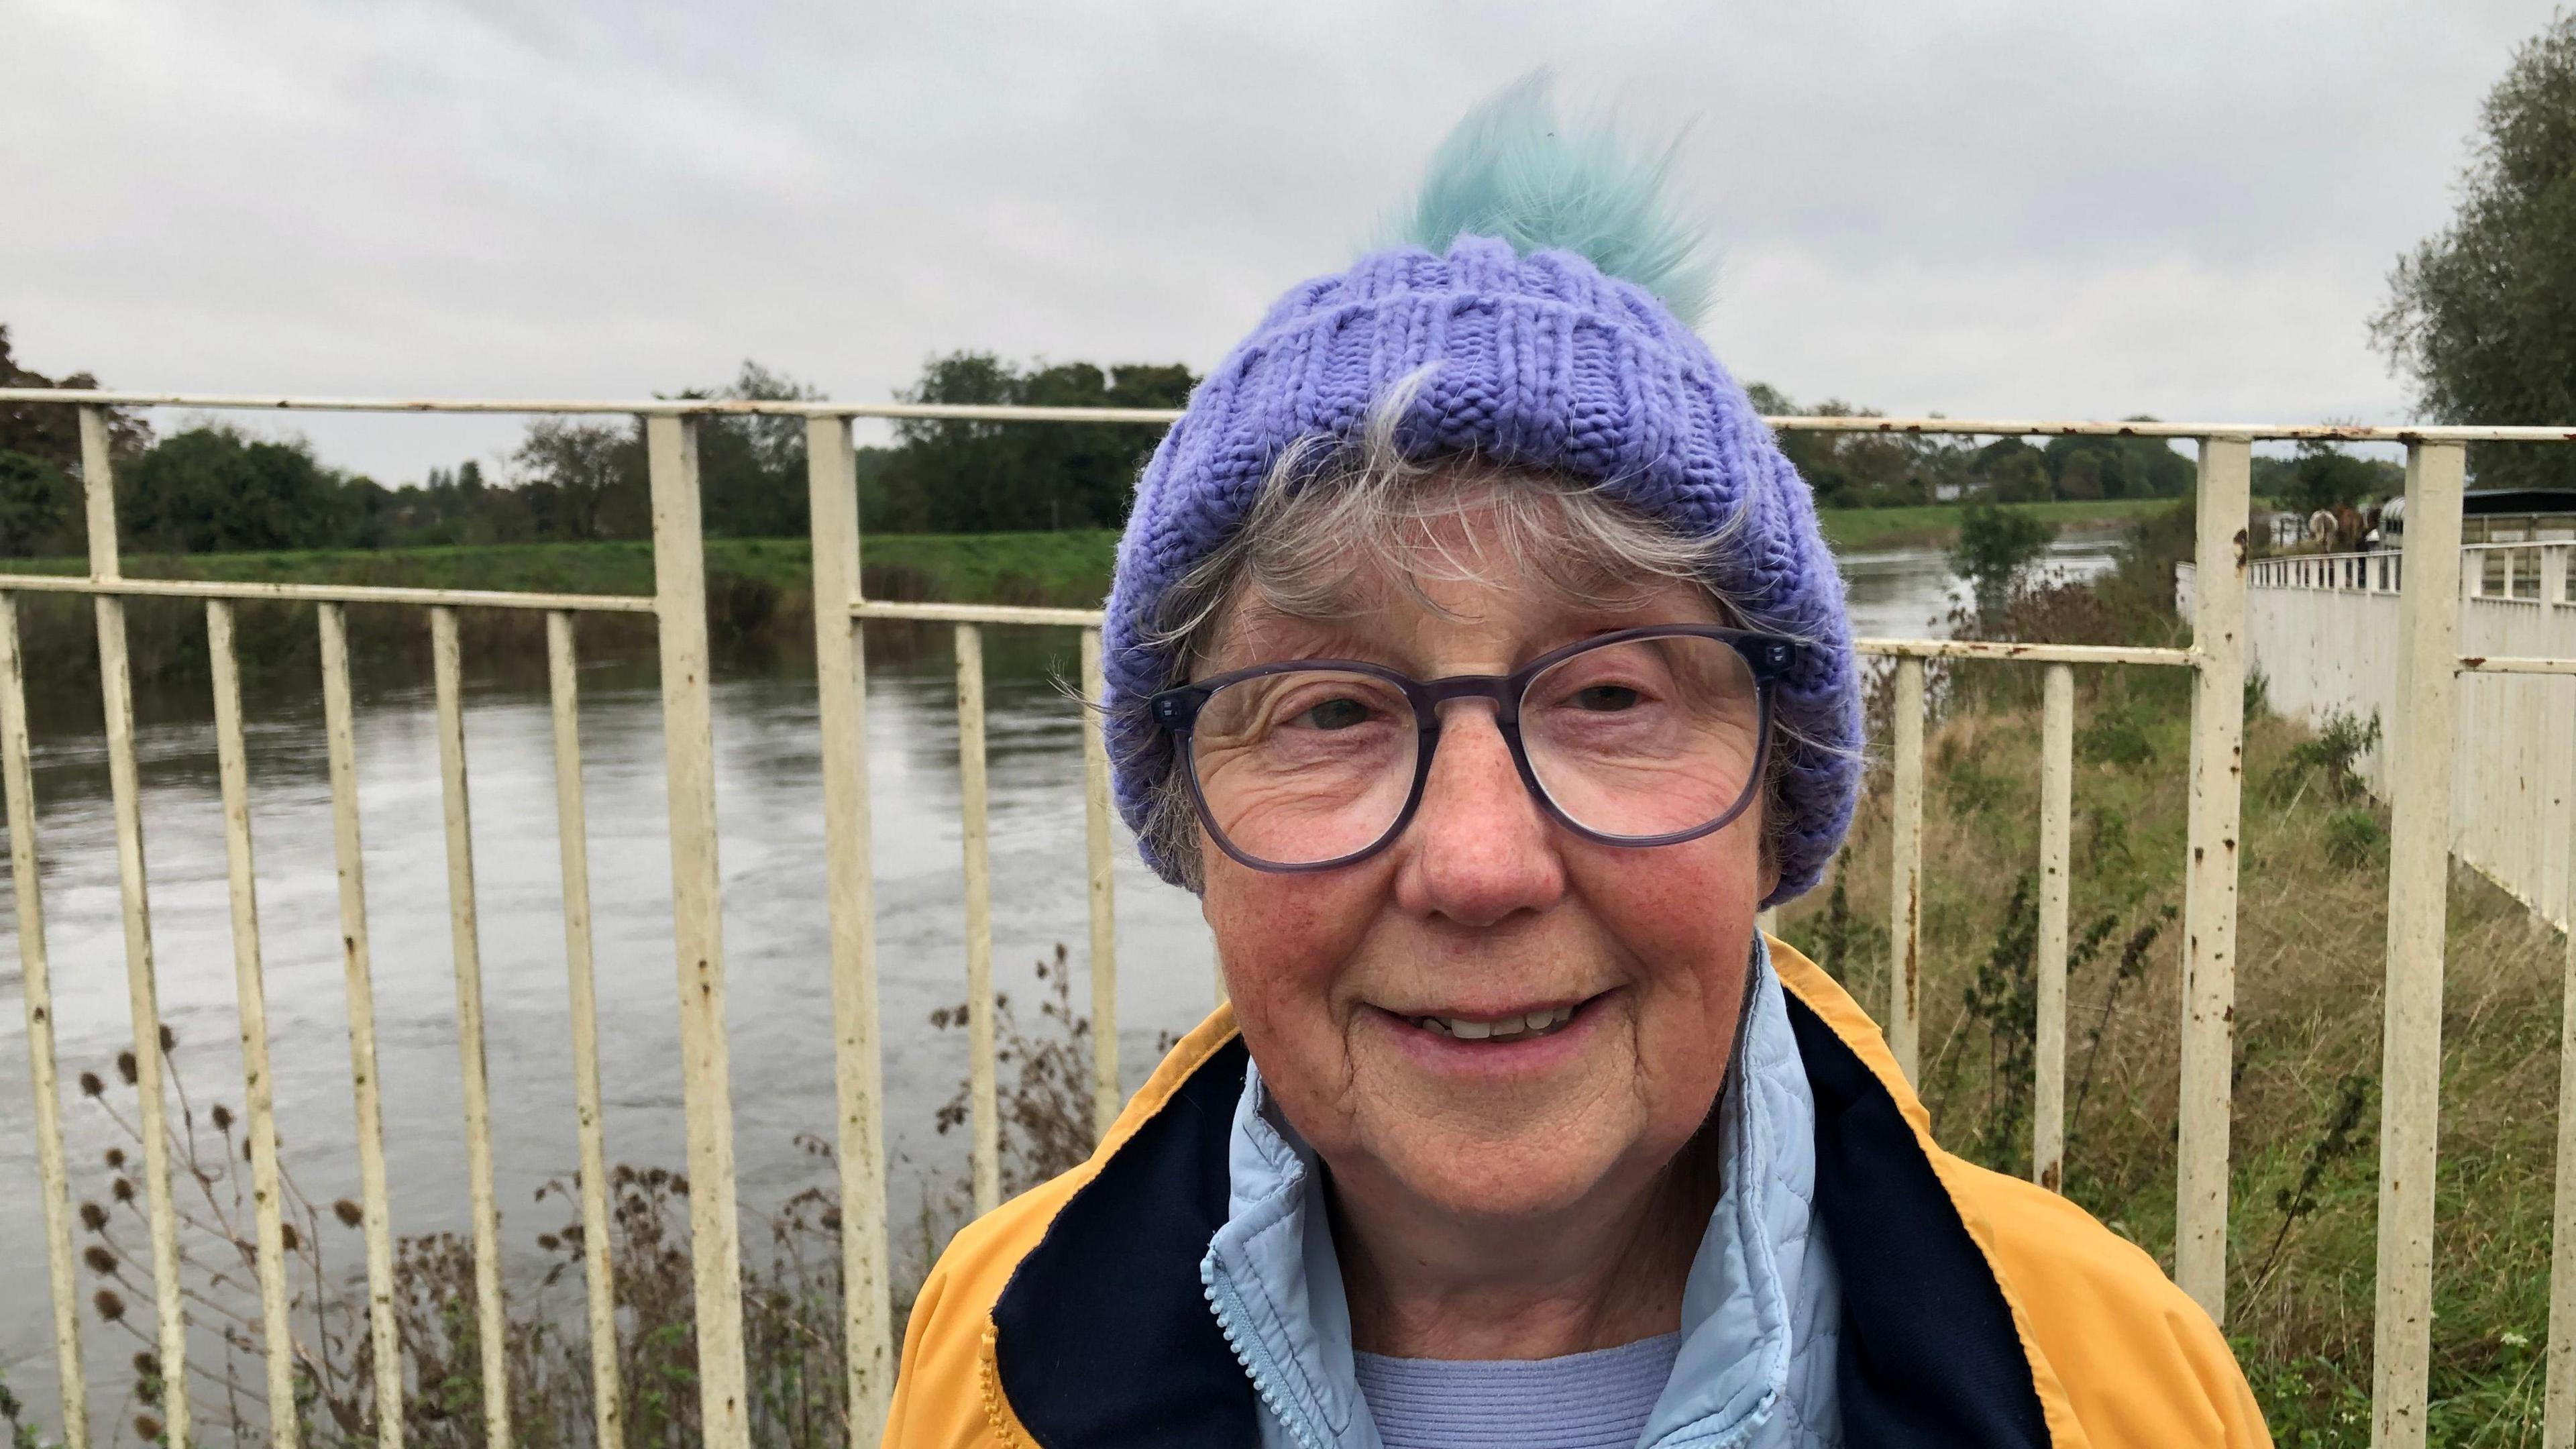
(1541, 362)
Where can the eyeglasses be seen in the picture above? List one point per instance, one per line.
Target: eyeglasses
(1649, 736)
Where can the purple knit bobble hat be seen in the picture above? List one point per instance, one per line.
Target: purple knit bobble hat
(1540, 358)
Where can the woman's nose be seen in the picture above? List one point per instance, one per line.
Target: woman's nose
(1479, 848)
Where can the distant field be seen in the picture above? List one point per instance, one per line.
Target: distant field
(1936, 525)
(1069, 567)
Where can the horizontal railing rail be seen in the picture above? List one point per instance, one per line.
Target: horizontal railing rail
(1012, 413)
(2419, 789)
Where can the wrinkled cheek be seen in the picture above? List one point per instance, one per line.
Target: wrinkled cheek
(1282, 943)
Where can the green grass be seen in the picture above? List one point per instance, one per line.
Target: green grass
(1936, 525)
(1067, 567)
(1070, 567)
(2312, 923)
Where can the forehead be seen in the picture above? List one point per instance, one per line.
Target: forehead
(1443, 606)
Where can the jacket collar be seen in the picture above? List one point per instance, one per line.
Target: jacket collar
(1104, 1335)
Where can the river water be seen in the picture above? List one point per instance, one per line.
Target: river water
(776, 945)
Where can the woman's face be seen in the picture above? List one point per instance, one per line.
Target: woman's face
(1483, 909)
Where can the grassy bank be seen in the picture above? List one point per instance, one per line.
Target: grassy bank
(1069, 568)
(1936, 525)
(2311, 958)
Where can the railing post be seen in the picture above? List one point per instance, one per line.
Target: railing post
(250, 994)
(1101, 859)
(340, 732)
(2056, 809)
(2553, 580)
(983, 1119)
(688, 740)
(2558, 1416)
(1905, 870)
(447, 674)
(840, 677)
(2419, 856)
(572, 846)
(2209, 875)
(125, 793)
(17, 781)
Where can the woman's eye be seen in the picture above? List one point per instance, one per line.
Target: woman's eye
(1605, 697)
(1335, 714)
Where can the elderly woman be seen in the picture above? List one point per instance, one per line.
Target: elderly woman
(1475, 657)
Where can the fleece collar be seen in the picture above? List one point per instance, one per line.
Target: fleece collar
(1760, 1310)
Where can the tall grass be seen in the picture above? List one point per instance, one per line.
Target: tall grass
(2311, 960)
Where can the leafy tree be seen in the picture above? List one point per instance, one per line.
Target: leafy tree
(211, 490)
(751, 470)
(2482, 317)
(2009, 470)
(40, 509)
(2114, 467)
(965, 476)
(1996, 545)
(1865, 469)
(50, 432)
(2321, 475)
(584, 480)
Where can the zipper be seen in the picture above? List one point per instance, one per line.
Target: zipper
(1227, 1305)
(988, 1379)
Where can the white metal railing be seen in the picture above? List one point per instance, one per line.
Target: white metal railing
(2420, 771)
(2536, 572)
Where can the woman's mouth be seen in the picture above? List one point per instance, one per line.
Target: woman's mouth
(1520, 1026)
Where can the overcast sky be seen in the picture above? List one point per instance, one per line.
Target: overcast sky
(2182, 208)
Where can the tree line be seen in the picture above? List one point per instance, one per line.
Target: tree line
(213, 488)
(1885, 470)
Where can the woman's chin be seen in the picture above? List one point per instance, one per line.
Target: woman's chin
(1520, 1175)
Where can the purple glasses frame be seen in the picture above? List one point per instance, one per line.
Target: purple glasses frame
(1767, 656)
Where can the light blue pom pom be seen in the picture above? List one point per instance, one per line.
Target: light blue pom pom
(1511, 170)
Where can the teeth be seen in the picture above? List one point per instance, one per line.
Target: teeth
(1509, 1029)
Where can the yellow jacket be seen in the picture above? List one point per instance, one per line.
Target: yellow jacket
(1978, 1309)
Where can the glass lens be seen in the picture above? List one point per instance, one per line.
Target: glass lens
(1645, 737)
(1305, 766)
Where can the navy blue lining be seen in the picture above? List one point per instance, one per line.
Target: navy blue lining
(1103, 1335)
(1929, 1352)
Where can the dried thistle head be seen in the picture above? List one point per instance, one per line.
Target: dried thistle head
(291, 1238)
(125, 1067)
(110, 1307)
(147, 1428)
(122, 1189)
(223, 1116)
(100, 1260)
(116, 1158)
(91, 1086)
(349, 1213)
(93, 1217)
(169, 1041)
